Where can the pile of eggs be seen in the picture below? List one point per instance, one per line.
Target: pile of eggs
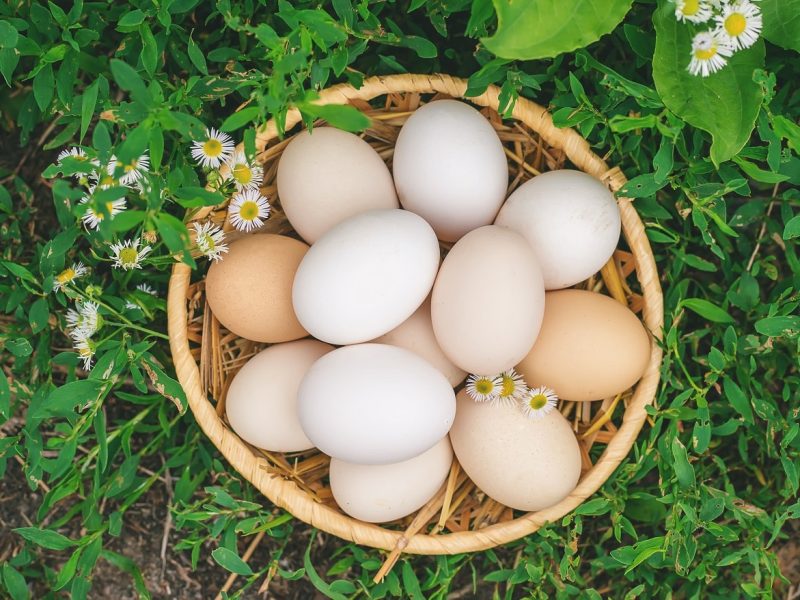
(372, 333)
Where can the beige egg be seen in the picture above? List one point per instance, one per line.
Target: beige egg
(525, 463)
(328, 175)
(590, 347)
(250, 289)
(381, 493)
(261, 403)
(488, 301)
(416, 334)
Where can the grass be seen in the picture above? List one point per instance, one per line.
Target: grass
(108, 490)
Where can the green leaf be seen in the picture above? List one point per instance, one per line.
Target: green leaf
(737, 398)
(197, 58)
(46, 538)
(782, 22)
(411, 583)
(194, 197)
(43, 87)
(246, 116)
(787, 130)
(38, 315)
(9, 59)
(342, 116)
(15, 583)
(792, 228)
(596, 506)
(642, 186)
(787, 326)
(229, 560)
(699, 100)
(5, 397)
(129, 80)
(707, 310)
(681, 464)
(88, 103)
(164, 384)
(149, 49)
(19, 347)
(8, 35)
(61, 401)
(755, 172)
(545, 28)
(133, 18)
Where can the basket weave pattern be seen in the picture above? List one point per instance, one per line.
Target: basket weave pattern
(459, 518)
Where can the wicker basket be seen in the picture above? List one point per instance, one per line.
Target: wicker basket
(459, 518)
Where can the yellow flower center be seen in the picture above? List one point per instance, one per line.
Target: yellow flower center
(248, 211)
(484, 386)
(508, 386)
(538, 401)
(66, 275)
(131, 167)
(207, 241)
(84, 351)
(128, 256)
(735, 24)
(706, 54)
(107, 180)
(242, 173)
(690, 7)
(212, 148)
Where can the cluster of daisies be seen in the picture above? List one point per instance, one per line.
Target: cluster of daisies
(228, 170)
(735, 25)
(510, 389)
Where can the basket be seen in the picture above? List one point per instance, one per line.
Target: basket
(459, 518)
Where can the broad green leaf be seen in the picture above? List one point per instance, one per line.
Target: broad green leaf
(642, 186)
(15, 583)
(88, 103)
(707, 310)
(725, 104)
(8, 35)
(196, 56)
(38, 315)
(410, 582)
(239, 119)
(5, 397)
(739, 401)
(129, 80)
(193, 197)
(779, 326)
(64, 399)
(229, 560)
(131, 19)
(149, 49)
(342, 116)
(681, 464)
(43, 87)
(546, 28)
(792, 228)
(46, 538)
(782, 22)
(757, 173)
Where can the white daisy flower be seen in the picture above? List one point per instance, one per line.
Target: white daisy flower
(694, 11)
(210, 239)
(86, 349)
(93, 219)
(482, 388)
(709, 54)
(247, 210)
(246, 175)
(538, 402)
(739, 25)
(85, 321)
(133, 172)
(127, 254)
(142, 287)
(213, 150)
(69, 275)
(78, 154)
(512, 388)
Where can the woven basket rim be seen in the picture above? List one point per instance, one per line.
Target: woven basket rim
(285, 493)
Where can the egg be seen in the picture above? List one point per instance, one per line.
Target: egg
(261, 403)
(590, 347)
(449, 167)
(374, 404)
(381, 493)
(250, 290)
(570, 219)
(365, 276)
(488, 301)
(525, 463)
(416, 334)
(328, 175)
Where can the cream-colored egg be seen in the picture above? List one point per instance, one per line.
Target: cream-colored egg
(366, 276)
(488, 301)
(328, 175)
(590, 347)
(449, 167)
(261, 404)
(381, 493)
(416, 334)
(571, 221)
(525, 463)
(374, 404)
(250, 289)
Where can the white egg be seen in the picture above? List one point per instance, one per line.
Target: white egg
(374, 404)
(328, 175)
(525, 463)
(449, 167)
(488, 301)
(261, 403)
(365, 276)
(416, 334)
(570, 219)
(381, 493)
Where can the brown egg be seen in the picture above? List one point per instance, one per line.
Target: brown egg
(590, 347)
(250, 289)
(525, 463)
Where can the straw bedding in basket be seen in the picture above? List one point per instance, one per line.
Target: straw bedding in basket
(459, 518)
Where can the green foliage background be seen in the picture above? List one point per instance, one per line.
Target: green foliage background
(709, 492)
